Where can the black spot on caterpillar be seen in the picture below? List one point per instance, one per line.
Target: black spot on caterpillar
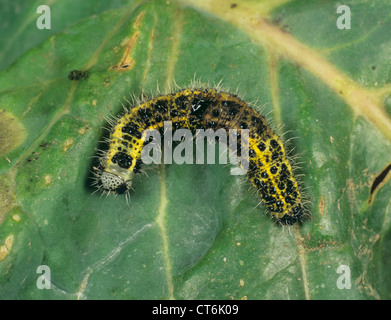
(269, 169)
(78, 75)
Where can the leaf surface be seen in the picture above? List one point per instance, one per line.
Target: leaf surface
(195, 231)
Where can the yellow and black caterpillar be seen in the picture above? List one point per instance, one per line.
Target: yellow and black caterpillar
(269, 169)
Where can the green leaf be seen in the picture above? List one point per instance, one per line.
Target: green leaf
(18, 22)
(195, 231)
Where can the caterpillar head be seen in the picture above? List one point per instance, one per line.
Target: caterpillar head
(112, 183)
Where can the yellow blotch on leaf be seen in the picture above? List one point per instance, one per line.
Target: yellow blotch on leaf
(6, 247)
(68, 143)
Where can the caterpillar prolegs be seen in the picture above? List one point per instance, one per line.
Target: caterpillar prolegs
(269, 169)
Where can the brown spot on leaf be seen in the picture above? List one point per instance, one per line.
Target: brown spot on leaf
(321, 206)
(7, 197)
(127, 62)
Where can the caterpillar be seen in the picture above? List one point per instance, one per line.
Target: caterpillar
(269, 169)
